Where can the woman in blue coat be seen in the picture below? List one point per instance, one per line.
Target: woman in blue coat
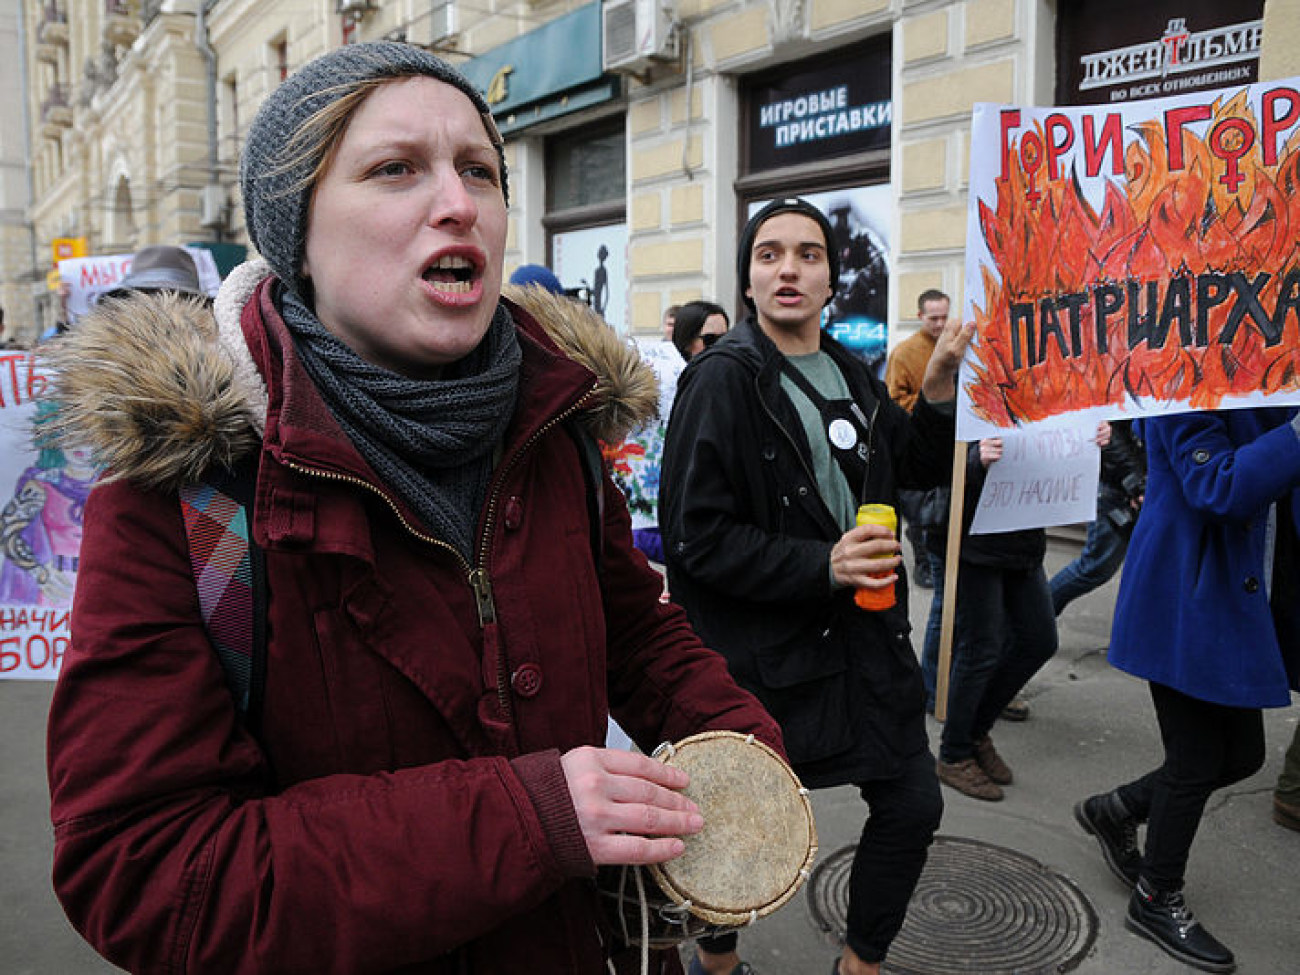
(1209, 615)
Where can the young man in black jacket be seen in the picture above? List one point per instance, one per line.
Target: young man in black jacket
(777, 434)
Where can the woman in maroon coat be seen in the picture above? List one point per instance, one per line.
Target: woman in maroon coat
(426, 791)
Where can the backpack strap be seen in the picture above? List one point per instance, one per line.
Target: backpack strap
(593, 474)
(229, 567)
(230, 576)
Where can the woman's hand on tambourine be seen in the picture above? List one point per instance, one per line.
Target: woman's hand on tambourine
(627, 807)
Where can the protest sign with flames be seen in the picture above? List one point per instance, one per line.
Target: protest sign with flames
(1133, 259)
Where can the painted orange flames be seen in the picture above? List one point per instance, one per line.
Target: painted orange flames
(1205, 251)
(617, 456)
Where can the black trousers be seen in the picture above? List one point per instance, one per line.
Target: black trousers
(1207, 747)
(903, 815)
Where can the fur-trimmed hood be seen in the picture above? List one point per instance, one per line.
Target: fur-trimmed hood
(163, 388)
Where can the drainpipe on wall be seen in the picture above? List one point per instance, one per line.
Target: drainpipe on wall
(213, 215)
(681, 28)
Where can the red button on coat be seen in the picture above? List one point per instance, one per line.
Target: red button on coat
(527, 680)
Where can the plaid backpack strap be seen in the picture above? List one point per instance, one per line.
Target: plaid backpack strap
(229, 574)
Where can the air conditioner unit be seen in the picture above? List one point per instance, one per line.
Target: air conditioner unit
(355, 7)
(636, 33)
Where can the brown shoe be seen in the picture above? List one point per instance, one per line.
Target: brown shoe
(987, 758)
(1017, 710)
(968, 778)
(1286, 814)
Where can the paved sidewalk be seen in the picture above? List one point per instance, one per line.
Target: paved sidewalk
(1090, 727)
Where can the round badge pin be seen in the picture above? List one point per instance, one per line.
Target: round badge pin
(842, 434)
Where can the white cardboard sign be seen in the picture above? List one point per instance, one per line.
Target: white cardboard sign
(1045, 477)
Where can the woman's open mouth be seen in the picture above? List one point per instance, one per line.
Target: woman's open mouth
(451, 274)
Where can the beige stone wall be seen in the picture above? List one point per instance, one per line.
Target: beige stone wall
(1280, 54)
(56, 53)
(131, 170)
(145, 135)
(20, 278)
(17, 287)
(672, 184)
(140, 139)
(682, 207)
(248, 34)
(947, 58)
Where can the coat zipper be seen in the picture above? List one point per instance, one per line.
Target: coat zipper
(477, 576)
(479, 579)
(366, 485)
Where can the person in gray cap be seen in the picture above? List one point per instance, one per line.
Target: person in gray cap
(160, 267)
(451, 603)
(777, 434)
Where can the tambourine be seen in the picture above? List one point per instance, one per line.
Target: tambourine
(754, 853)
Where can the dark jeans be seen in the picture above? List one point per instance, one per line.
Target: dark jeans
(916, 535)
(933, 628)
(720, 945)
(1005, 631)
(903, 815)
(1102, 555)
(1207, 747)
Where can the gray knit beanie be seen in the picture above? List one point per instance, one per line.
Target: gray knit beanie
(276, 214)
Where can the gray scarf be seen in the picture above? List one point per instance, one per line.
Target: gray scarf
(430, 441)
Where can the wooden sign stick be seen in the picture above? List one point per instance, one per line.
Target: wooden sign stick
(951, 561)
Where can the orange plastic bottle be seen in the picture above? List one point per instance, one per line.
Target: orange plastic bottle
(877, 514)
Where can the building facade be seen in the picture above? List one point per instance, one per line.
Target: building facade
(18, 260)
(640, 133)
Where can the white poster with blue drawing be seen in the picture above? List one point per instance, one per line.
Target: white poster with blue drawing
(43, 495)
(593, 261)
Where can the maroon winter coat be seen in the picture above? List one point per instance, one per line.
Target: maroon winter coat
(404, 807)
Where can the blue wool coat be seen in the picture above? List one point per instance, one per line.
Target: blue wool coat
(1193, 611)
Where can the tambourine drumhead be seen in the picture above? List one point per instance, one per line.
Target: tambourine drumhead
(759, 837)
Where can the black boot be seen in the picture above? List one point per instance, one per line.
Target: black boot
(1163, 917)
(1106, 818)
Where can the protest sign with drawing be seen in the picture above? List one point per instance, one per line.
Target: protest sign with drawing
(1133, 259)
(43, 493)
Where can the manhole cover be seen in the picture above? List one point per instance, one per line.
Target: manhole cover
(977, 908)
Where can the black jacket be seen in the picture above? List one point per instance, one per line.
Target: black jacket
(1021, 550)
(748, 540)
(1124, 462)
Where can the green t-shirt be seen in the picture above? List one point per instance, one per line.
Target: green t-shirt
(820, 370)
